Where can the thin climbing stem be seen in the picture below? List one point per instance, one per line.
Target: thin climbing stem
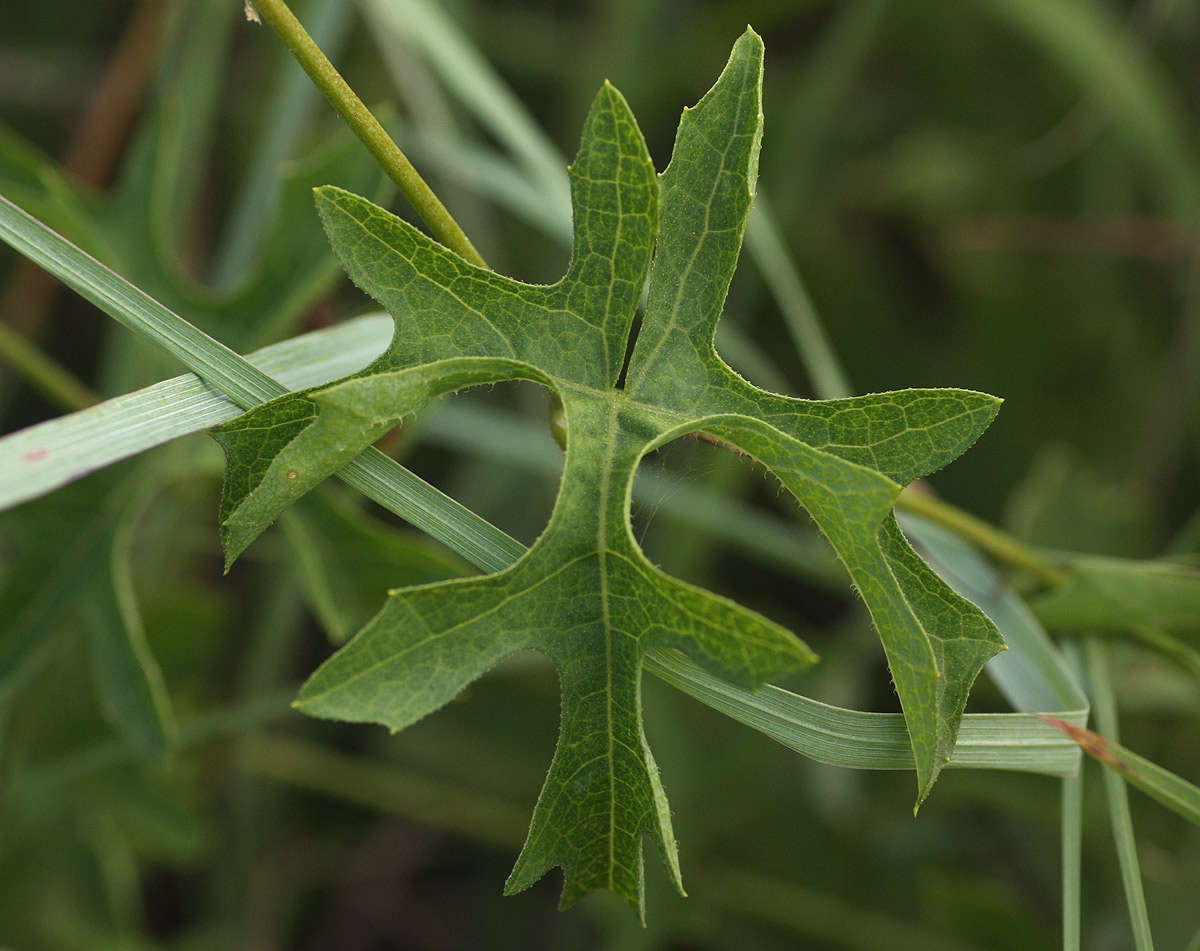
(324, 74)
(996, 543)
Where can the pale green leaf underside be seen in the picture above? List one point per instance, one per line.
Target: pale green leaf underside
(584, 594)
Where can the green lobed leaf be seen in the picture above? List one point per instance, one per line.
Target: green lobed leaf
(584, 594)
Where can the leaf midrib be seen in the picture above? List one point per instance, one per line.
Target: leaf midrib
(602, 558)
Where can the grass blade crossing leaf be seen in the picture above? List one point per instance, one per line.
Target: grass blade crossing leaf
(859, 740)
(372, 473)
(44, 457)
(1120, 818)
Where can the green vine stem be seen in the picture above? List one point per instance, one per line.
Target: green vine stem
(986, 537)
(275, 14)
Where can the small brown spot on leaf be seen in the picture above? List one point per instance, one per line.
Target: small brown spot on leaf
(34, 455)
(292, 474)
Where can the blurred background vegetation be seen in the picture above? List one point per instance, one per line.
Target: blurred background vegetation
(997, 194)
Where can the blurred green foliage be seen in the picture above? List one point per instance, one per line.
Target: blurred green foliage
(998, 194)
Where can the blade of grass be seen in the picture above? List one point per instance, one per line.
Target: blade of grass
(1072, 859)
(135, 309)
(1096, 655)
(372, 473)
(44, 457)
(858, 740)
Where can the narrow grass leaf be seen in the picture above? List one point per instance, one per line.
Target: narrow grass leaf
(1071, 813)
(858, 740)
(1173, 791)
(1120, 819)
(373, 473)
(44, 457)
